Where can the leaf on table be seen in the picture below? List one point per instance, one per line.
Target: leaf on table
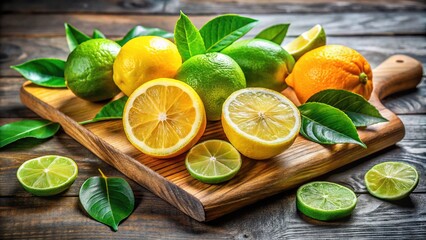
(138, 31)
(74, 36)
(14, 131)
(275, 33)
(46, 72)
(107, 200)
(325, 124)
(112, 110)
(97, 34)
(358, 109)
(222, 31)
(187, 38)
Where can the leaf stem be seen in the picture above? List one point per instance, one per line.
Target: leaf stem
(103, 175)
(86, 122)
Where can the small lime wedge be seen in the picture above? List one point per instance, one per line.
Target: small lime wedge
(47, 175)
(307, 41)
(391, 180)
(213, 161)
(325, 200)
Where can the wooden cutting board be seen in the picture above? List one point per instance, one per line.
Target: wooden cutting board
(256, 180)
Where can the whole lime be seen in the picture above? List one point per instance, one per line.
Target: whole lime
(214, 76)
(264, 63)
(88, 70)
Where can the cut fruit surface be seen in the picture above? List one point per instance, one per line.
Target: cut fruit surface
(259, 122)
(213, 161)
(307, 41)
(325, 200)
(47, 175)
(391, 180)
(164, 118)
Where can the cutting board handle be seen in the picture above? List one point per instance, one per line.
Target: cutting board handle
(397, 73)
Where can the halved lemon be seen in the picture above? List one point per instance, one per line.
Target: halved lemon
(164, 118)
(260, 123)
(307, 41)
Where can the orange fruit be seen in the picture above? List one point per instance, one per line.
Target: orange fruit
(331, 67)
(164, 118)
(145, 58)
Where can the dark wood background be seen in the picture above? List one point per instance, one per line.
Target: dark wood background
(377, 29)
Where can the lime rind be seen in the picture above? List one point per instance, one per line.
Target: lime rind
(307, 41)
(391, 180)
(53, 185)
(312, 200)
(208, 163)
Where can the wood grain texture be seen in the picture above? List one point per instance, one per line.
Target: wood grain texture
(215, 6)
(170, 180)
(335, 24)
(274, 218)
(374, 48)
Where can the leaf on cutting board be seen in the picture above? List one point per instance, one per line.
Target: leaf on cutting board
(223, 30)
(74, 36)
(358, 109)
(187, 38)
(112, 110)
(138, 31)
(108, 200)
(46, 72)
(275, 33)
(325, 124)
(14, 131)
(97, 34)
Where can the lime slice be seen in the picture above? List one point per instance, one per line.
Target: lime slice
(391, 180)
(47, 175)
(306, 42)
(213, 161)
(325, 200)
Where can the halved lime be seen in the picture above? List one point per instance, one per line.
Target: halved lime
(307, 41)
(325, 200)
(391, 180)
(47, 175)
(213, 161)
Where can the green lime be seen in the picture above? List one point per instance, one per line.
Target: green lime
(213, 161)
(264, 63)
(307, 41)
(47, 175)
(214, 76)
(391, 180)
(325, 200)
(88, 70)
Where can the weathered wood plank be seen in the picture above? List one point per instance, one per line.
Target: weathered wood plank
(335, 24)
(215, 6)
(87, 6)
(16, 50)
(274, 218)
(290, 6)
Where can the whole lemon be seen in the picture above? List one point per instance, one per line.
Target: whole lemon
(88, 71)
(331, 67)
(145, 58)
(264, 63)
(214, 76)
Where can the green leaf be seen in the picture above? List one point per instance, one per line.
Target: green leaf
(97, 34)
(107, 200)
(112, 110)
(325, 124)
(144, 31)
(74, 36)
(358, 109)
(40, 129)
(222, 31)
(275, 33)
(46, 72)
(187, 38)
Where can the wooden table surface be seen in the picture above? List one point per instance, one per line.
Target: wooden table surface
(377, 29)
